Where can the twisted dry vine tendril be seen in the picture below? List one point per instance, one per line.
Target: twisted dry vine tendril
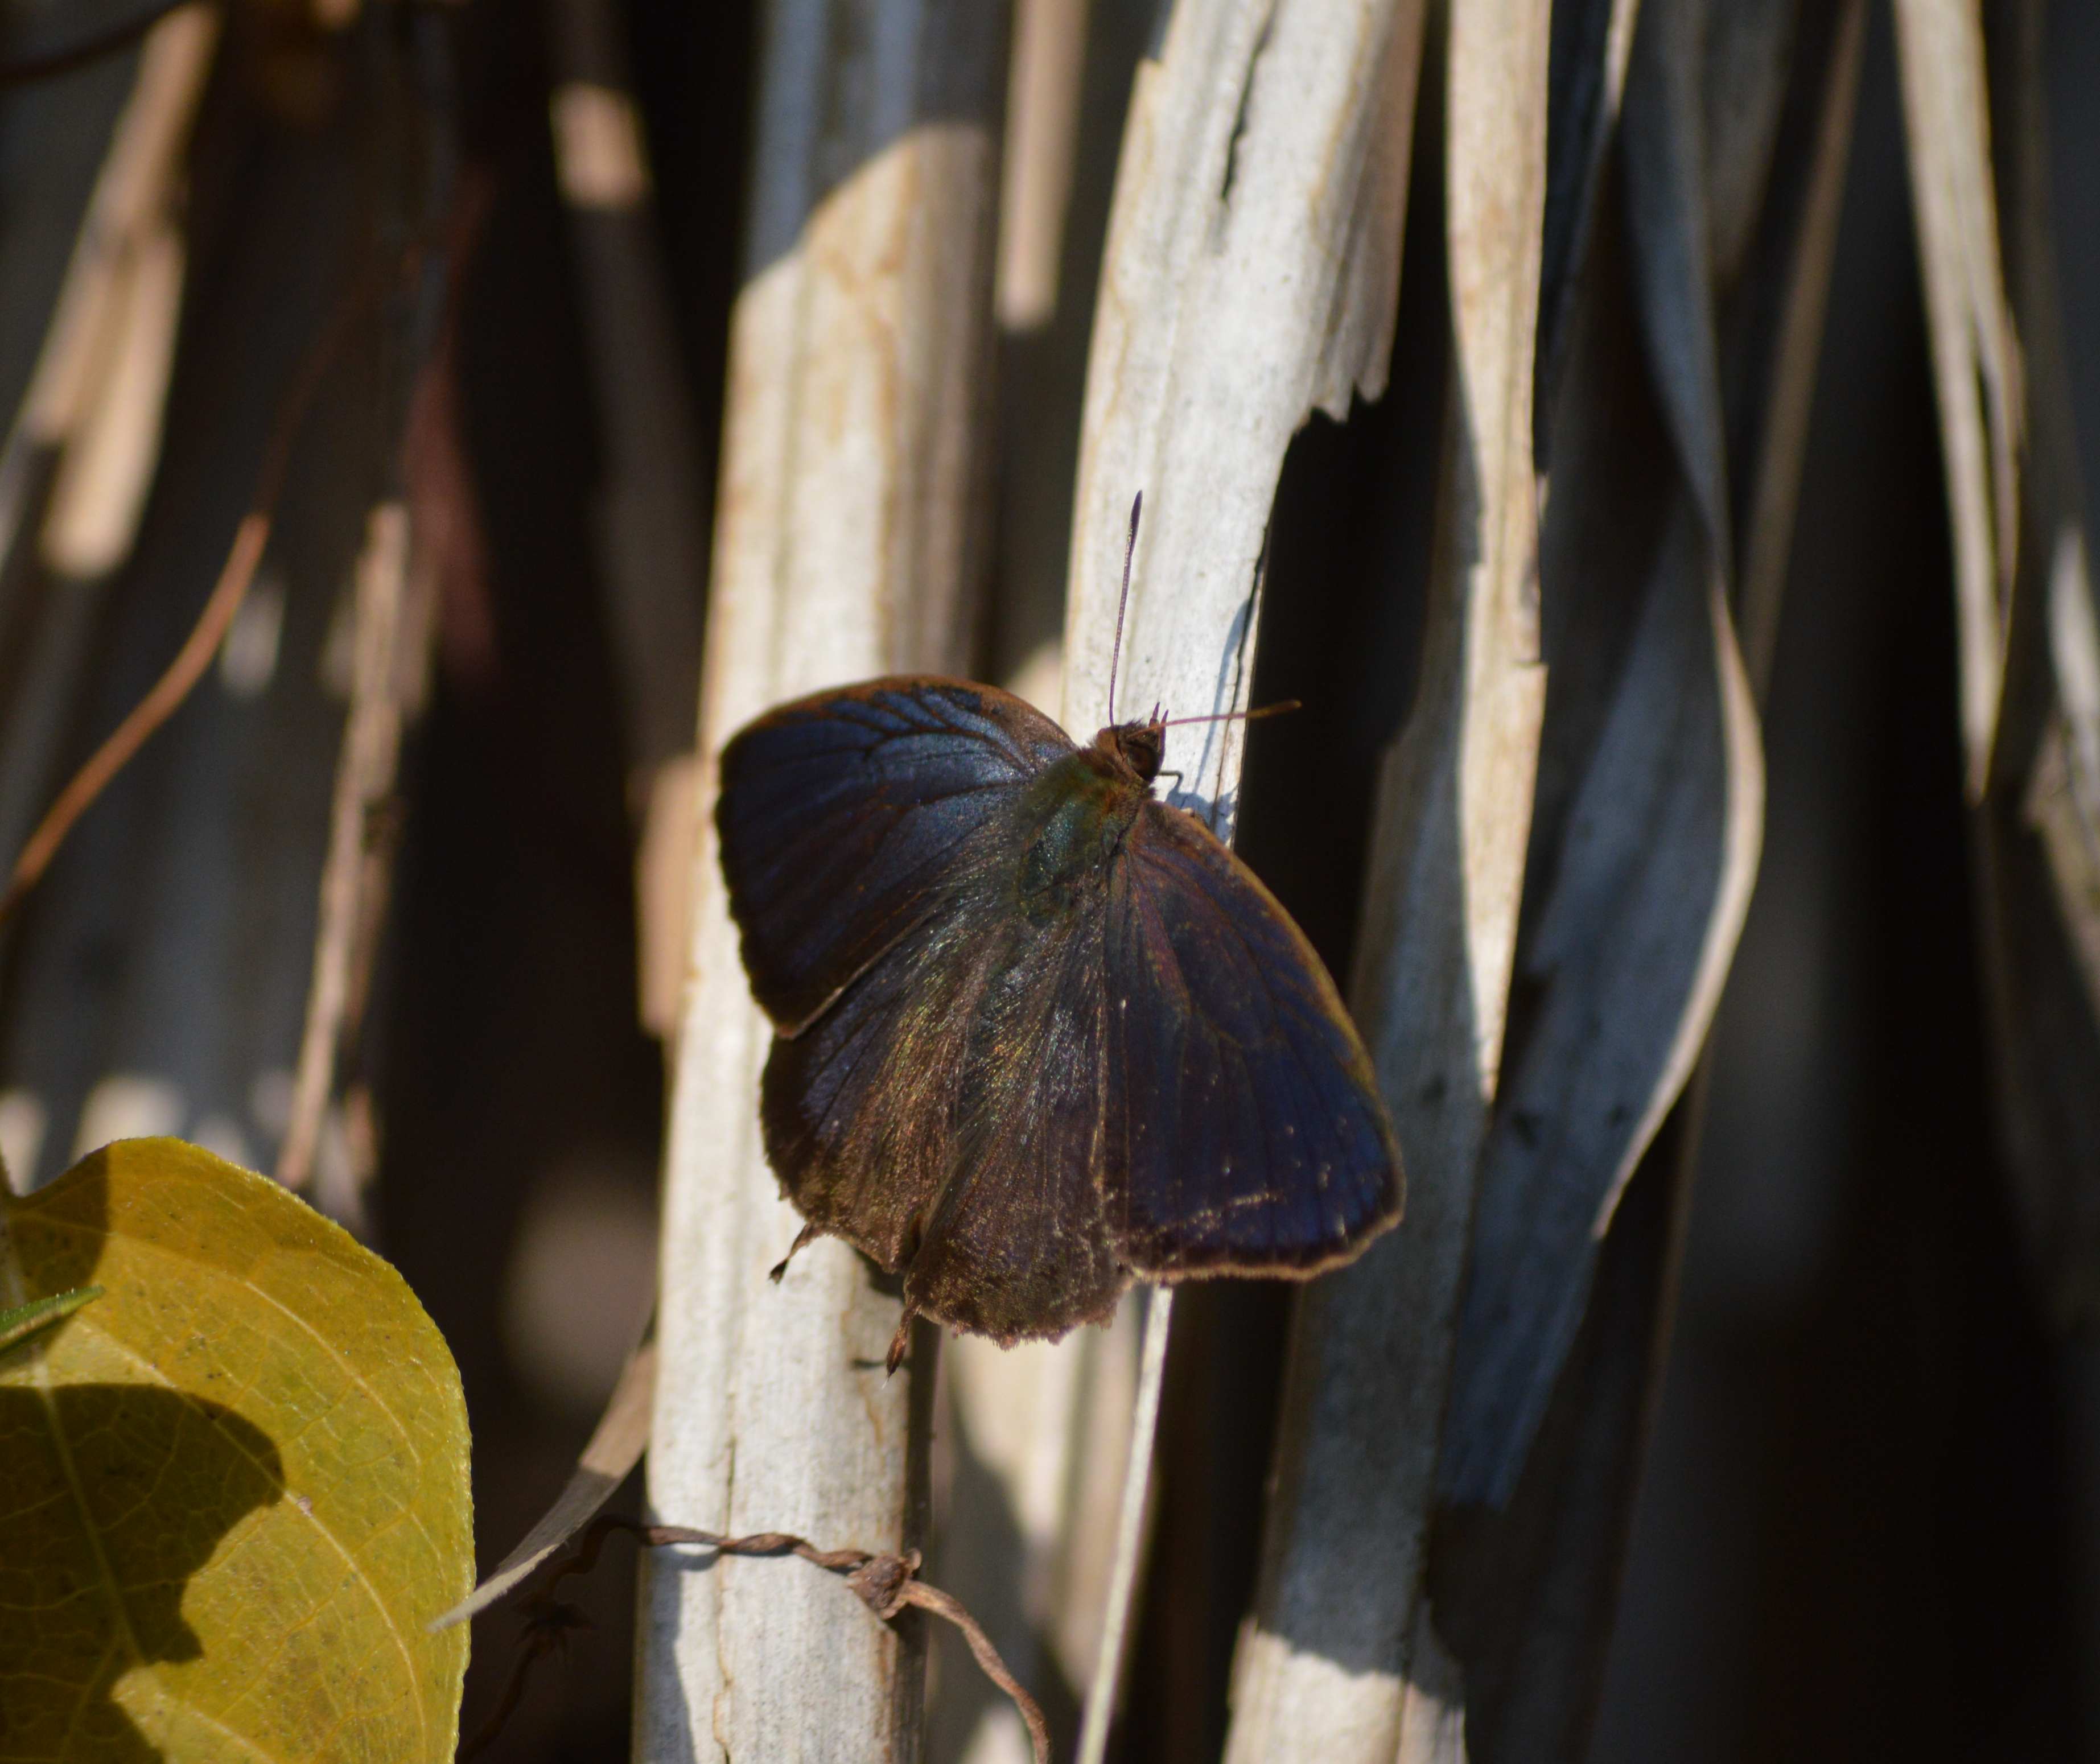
(885, 1583)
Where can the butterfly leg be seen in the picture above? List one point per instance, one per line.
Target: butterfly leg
(801, 1237)
(901, 1341)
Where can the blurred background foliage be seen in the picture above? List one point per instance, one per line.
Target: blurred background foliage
(1868, 1523)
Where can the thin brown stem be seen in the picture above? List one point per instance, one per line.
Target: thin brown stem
(250, 539)
(353, 879)
(147, 715)
(947, 1605)
(885, 1583)
(544, 1635)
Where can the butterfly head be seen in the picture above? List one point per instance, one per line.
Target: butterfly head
(1139, 747)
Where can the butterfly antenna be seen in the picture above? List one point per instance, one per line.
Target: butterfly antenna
(1277, 709)
(1122, 600)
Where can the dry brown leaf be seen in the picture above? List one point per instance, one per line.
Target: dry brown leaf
(2038, 824)
(1651, 800)
(1526, 1594)
(1975, 354)
(1323, 1671)
(844, 547)
(1250, 276)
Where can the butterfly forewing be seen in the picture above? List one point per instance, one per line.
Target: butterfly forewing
(841, 815)
(856, 1108)
(1243, 1131)
(943, 1113)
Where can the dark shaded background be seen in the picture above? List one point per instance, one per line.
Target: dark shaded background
(1863, 1532)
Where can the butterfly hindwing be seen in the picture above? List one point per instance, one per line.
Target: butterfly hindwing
(1243, 1131)
(842, 814)
(1017, 1245)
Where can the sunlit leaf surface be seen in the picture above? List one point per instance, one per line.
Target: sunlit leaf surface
(233, 1492)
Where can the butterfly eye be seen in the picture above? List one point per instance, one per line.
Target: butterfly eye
(1142, 745)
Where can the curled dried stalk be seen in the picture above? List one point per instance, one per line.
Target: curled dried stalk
(885, 1583)
(250, 538)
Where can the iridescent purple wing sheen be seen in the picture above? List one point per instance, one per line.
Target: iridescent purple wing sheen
(841, 815)
(1243, 1133)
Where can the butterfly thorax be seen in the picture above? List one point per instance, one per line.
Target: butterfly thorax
(1139, 747)
(1076, 814)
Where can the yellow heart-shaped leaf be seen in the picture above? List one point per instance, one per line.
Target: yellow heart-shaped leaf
(233, 1491)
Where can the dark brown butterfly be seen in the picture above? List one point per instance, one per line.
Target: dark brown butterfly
(1038, 1032)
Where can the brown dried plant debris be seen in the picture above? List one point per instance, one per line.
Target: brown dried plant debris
(886, 1584)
